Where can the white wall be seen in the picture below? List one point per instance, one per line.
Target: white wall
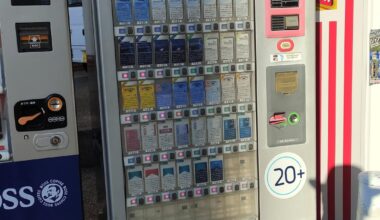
(372, 157)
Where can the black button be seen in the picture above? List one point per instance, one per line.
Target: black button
(130, 30)
(233, 68)
(190, 194)
(155, 158)
(182, 28)
(204, 152)
(199, 27)
(205, 192)
(153, 116)
(250, 147)
(232, 26)
(184, 71)
(167, 73)
(170, 114)
(221, 189)
(188, 154)
(141, 201)
(249, 67)
(252, 185)
(250, 107)
(133, 75)
(165, 29)
(236, 148)
(216, 26)
(158, 198)
(150, 73)
(248, 25)
(237, 187)
(217, 69)
(186, 113)
(174, 196)
(218, 110)
(200, 70)
(138, 160)
(136, 118)
(220, 150)
(234, 108)
(172, 156)
(148, 30)
(203, 111)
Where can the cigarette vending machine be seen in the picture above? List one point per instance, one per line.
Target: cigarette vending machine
(39, 162)
(208, 108)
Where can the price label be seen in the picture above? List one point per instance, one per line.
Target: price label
(285, 175)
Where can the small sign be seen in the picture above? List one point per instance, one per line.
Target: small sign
(285, 175)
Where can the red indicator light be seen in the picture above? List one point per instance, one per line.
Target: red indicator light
(125, 75)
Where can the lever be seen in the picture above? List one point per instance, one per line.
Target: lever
(26, 119)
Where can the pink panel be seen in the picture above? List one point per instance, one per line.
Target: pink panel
(300, 11)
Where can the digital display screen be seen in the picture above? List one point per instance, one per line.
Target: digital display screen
(30, 2)
(34, 37)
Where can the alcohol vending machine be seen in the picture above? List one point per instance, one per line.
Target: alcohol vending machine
(39, 161)
(208, 108)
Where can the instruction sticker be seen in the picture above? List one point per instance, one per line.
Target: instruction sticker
(127, 52)
(214, 129)
(135, 181)
(178, 50)
(228, 88)
(225, 9)
(244, 88)
(123, 11)
(216, 169)
(162, 50)
(243, 46)
(245, 126)
(176, 10)
(149, 136)
(130, 101)
(152, 179)
(201, 171)
(182, 133)
(158, 11)
(180, 92)
(147, 96)
(209, 10)
(198, 131)
(229, 128)
(184, 174)
(132, 138)
(193, 10)
(164, 94)
(211, 48)
(141, 11)
(213, 92)
(227, 47)
(195, 49)
(242, 9)
(197, 91)
(144, 50)
(166, 135)
(168, 176)
(285, 57)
